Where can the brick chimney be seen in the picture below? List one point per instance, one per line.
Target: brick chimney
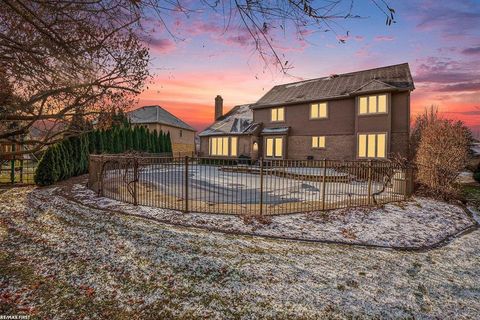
(218, 107)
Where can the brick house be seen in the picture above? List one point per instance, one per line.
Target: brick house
(357, 115)
(157, 118)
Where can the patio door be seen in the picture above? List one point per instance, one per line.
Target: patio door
(274, 147)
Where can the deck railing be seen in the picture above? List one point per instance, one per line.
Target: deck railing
(266, 187)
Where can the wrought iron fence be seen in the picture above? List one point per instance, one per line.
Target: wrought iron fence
(226, 186)
(17, 170)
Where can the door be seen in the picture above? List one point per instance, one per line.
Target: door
(274, 147)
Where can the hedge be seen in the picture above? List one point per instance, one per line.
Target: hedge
(69, 157)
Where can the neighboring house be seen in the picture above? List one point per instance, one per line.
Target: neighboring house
(157, 118)
(357, 115)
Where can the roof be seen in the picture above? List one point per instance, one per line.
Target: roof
(277, 130)
(156, 114)
(389, 78)
(239, 120)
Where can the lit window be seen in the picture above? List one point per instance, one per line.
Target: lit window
(318, 142)
(373, 145)
(318, 110)
(278, 114)
(274, 147)
(372, 104)
(233, 143)
(223, 146)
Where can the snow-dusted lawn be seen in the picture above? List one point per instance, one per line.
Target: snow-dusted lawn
(415, 223)
(62, 260)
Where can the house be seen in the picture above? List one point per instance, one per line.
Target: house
(357, 115)
(157, 118)
(233, 134)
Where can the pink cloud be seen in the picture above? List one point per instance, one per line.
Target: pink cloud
(162, 45)
(359, 38)
(384, 38)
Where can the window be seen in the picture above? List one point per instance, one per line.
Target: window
(318, 111)
(223, 146)
(278, 114)
(372, 104)
(233, 148)
(181, 133)
(318, 142)
(274, 147)
(372, 145)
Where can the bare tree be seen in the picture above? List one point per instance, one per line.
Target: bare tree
(441, 153)
(69, 58)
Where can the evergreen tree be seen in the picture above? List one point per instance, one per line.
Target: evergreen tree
(63, 161)
(129, 139)
(46, 173)
(91, 142)
(163, 145)
(168, 143)
(98, 142)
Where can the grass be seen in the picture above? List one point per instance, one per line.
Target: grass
(471, 192)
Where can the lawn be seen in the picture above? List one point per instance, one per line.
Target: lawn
(61, 259)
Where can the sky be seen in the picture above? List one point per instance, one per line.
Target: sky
(202, 55)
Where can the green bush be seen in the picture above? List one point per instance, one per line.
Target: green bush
(69, 157)
(476, 173)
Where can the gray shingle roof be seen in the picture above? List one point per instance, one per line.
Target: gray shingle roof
(396, 77)
(156, 114)
(239, 120)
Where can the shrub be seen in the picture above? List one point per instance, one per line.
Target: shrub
(442, 153)
(46, 173)
(70, 157)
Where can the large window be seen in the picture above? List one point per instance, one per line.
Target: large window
(223, 146)
(318, 142)
(318, 111)
(274, 147)
(372, 104)
(278, 114)
(372, 145)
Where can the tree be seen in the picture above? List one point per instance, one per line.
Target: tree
(81, 59)
(168, 143)
(46, 173)
(68, 61)
(441, 154)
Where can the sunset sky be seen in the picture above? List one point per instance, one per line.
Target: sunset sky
(439, 39)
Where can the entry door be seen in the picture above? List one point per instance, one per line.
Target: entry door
(274, 147)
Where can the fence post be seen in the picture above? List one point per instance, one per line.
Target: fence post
(323, 183)
(100, 174)
(186, 184)
(135, 180)
(261, 186)
(369, 181)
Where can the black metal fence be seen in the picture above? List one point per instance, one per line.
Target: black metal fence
(267, 187)
(18, 170)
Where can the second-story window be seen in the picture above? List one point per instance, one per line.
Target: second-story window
(181, 133)
(372, 104)
(318, 111)
(278, 114)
